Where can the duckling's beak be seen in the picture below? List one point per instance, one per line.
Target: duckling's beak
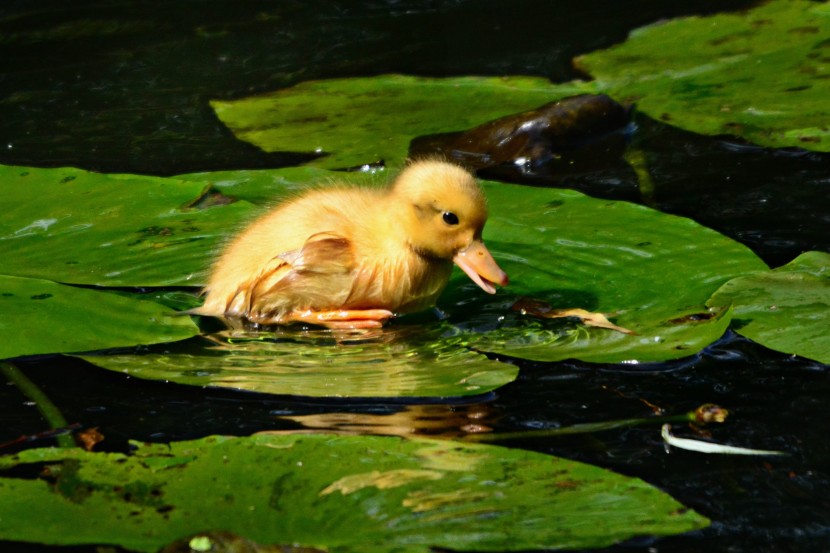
(476, 261)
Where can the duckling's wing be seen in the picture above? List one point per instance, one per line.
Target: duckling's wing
(317, 276)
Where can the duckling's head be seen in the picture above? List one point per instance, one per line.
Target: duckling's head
(443, 211)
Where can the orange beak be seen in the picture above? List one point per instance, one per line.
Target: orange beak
(476, 261)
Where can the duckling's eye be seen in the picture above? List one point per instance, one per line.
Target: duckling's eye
(450, 218)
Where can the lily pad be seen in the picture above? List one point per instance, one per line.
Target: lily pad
(355, 121)
(646, 271)
(401, 361)
(266, 187)
(814, 263)
(44, 317)
(339, 493)
(759, 74)
(787, 309)
(79, 227)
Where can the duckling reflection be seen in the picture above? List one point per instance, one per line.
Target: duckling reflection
(439, 421)
(405, 360)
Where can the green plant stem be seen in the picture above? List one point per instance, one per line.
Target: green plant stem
(47, 409)
(585, 428)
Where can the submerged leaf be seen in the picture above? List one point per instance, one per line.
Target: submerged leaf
(342, 494)
(400, 361)
(760, 74)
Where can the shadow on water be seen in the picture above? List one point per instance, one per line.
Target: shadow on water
(124, 87)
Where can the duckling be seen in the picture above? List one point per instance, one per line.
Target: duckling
(352, 257)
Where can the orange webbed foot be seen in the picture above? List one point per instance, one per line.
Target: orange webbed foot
(342, 318)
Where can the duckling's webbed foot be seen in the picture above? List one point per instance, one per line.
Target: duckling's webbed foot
(341, 318)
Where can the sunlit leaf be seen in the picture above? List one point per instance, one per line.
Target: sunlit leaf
(759, 74)
(648, 272)
(814, 263)
(365, 120)
(401, 361)
(344, 494)
(40, 316)
(265, 187)
(787, 309)
(80, 227)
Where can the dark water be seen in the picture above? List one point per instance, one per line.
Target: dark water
(123, 86)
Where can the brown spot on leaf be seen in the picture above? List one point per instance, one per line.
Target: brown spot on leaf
(805, 30)
(693, 318)
(540, 309)
(209, 197)
(567, 485)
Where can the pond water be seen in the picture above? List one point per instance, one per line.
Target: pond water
(121, 86)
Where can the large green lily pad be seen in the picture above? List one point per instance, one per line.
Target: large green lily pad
(649, 272)
(79, 227)
(40, 317)
(787, 309)
(266, 187)
(760, 74)
(365, 120)
(401, 361)
(340, 493)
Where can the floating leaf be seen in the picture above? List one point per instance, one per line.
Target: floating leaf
(401, 361)
(40, 316)
(759, 74)
(787, 309)
(365, 120)
(78, 227)
(651, 272)
(341, 493)
(265, 187)
(814, 263)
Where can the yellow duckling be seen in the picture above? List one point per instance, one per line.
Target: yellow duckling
(349, 257)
